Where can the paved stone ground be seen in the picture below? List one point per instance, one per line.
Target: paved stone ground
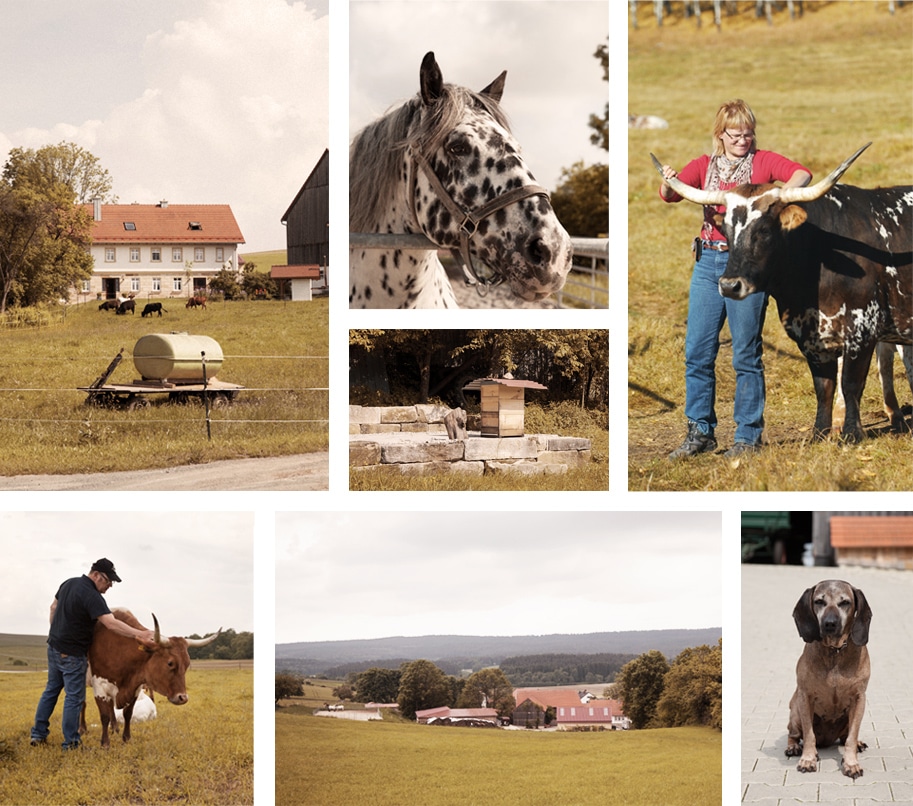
(770, 648)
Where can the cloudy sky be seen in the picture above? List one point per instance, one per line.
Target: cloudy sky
(194, 101)
(347, 575)
(553, 81)
(192, 569)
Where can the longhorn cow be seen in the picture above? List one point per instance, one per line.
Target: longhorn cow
(119, 667)
(839, 262)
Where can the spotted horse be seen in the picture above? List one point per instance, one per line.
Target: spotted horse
(445, 167)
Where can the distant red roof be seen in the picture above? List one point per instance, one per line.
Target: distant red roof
(172, 223)
(302, 272)
(864, 530)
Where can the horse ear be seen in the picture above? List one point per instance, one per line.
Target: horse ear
(430, 79)
(496, 89)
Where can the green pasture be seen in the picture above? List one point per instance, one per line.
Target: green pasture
(276, 350)
(329, 762)
(811, 84)
(198, 753)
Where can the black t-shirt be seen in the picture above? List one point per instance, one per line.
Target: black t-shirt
(79, 605)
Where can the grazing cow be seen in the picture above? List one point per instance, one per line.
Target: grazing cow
(153, 307)
(196, 302)
(839, 262)
(109, 305)
(119, 667)
(126, 305)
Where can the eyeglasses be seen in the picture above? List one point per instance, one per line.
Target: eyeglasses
(743, 136)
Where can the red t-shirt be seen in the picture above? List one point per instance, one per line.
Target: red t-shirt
(766, 166)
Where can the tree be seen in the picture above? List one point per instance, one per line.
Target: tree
(600, 124)
(257, 285)
(581, 200)
(226, 283)
(288, 684)
(488, 688)
(377, 685)
(693, 689)
(422, 685)
(65, 164)
(640, 684)
(343, 692)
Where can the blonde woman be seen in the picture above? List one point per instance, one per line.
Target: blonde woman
(735, 160)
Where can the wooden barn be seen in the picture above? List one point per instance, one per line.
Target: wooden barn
(307, 233)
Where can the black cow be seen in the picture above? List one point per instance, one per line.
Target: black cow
(839, 262)
(153, 307)
(126, 305)
(109, 305)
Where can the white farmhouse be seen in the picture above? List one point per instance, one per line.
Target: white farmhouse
(159, 250)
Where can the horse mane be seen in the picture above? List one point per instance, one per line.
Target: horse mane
(375, 155)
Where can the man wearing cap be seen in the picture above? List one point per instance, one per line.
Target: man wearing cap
(76, 607)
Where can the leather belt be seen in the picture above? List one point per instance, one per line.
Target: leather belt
(715, 246)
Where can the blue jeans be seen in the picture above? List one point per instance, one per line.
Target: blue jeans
(68, 673)
(707, 311)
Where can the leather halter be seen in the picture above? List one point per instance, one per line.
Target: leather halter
(469, 219)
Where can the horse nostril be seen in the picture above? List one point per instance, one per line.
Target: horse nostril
(537, 251)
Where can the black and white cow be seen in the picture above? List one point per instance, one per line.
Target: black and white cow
(839, 262)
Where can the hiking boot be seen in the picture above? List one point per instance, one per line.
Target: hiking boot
(36, 742)
(695, 443)
(740, 449)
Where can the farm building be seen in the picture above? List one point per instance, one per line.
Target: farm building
(456, 715)
(307, 236)
(159, 250)
(571, 710)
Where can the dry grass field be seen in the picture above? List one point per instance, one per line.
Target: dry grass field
(276, 350)
(199, 753)
(810, 83)
(329, 762)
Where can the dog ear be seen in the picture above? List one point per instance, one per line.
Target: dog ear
(861, 619)
(805, 618)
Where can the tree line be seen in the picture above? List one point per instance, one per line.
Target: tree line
(230, 645)
(654, 692)
(386, 366)
(556, 669)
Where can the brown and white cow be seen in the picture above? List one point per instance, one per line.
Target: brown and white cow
(839, 262)
(119, 667)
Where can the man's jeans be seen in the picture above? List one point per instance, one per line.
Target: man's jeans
(68, 673)
(707, 311)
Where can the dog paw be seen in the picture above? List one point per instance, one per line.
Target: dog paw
(793, 750)
(860, 746)
(853, 771)
(808, 765)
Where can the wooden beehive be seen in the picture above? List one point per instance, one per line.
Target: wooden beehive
(502, 401)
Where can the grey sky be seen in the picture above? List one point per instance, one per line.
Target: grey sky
(192, 569)
(345, 575)
(554, 83)
(219, 101)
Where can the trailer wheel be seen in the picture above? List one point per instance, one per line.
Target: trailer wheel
(219, 400)
(135, 402)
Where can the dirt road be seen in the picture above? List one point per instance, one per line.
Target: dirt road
(309, 471)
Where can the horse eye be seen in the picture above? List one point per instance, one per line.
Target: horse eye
(459, 148)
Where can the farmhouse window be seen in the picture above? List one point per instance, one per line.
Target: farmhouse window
(177, 254)
(86, 286)
(134, 283)
(130, 226)
(573, 712)
(134, 254)
(156, 283)
(110, 254)
(176, 283)
(156, 254)
(199, 254)
(220, 254)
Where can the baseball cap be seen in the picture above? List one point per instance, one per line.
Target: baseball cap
(106, 567)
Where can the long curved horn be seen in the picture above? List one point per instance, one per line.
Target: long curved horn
(689, 193)
(816, 191)
(203, 641)
(158, 632)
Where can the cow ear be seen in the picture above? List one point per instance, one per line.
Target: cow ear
(804, 616)
(862, 619)
(496, 89)
(718, 220)
(430, 79)
(792, 217)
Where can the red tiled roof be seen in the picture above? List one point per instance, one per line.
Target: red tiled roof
(594, 711)
(153, 223)
(864, 531)
(547, 696)
(295, 272)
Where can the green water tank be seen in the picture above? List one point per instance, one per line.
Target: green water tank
(176, 357)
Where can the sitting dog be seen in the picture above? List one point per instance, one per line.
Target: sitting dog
(832, 674)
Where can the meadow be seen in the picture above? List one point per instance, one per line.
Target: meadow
(198, 753)
(808, 82)
(276, 350)
(326, 761)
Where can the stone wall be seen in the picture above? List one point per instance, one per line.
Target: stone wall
(413, 439)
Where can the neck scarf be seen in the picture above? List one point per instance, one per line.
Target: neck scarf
(724, 171)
